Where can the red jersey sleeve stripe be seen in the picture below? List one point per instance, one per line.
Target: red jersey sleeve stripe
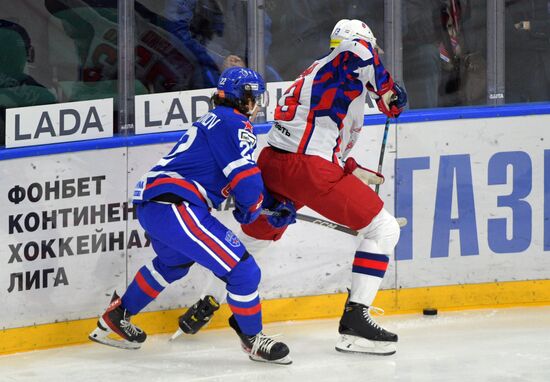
(180, 182)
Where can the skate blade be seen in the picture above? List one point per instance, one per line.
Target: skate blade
(353, 344)
(286, 360)
(101, 336)
(178, 333)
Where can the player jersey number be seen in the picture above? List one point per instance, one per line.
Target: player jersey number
(289, 102)
(184, 143)
(247, 150)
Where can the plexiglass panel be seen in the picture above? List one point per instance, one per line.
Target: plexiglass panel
(300, 30)
(444, 52)
(186, 44)
(527, 28)
(56, 51)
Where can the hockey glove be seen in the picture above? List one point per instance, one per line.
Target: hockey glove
(364, 174)
(284, 213)
(247, 215)
(281, 213)
(393, 101)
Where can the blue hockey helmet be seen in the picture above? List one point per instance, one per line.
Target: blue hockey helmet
(238, 83)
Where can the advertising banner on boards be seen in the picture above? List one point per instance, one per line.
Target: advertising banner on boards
(56, 123)
(63, 235)
(70, 237)
(178, 110)
(476, 194)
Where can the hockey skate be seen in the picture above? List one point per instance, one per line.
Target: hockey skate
(262, 348)
(117, 320)
(196, 316)
(360, 334)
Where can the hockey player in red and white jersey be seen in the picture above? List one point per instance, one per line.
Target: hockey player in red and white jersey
(322, 112)
(317, 122)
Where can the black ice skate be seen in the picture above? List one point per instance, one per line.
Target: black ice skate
(360, 334)
(262, 348)
(117, 320)
(196, 316)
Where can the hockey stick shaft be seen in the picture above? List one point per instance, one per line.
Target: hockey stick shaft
(327, 223)
(401, 220)
(314, 220)
(382, 151)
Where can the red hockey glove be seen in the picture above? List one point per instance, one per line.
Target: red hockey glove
(393, 101)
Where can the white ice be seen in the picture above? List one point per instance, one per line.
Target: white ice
(479, 345)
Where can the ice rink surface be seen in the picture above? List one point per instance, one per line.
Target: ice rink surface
(499, 345)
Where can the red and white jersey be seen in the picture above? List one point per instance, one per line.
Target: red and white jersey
(322, 112)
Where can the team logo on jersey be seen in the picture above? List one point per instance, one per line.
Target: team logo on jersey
(226, 190)
(247, 136)
(248, 126)
(232, 239)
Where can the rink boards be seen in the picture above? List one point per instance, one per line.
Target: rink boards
(475, 190)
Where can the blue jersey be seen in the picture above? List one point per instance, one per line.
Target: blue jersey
(212, 159)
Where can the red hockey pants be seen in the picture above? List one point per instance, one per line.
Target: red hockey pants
(309, 180)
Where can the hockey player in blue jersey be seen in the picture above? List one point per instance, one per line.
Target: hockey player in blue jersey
(212, 160)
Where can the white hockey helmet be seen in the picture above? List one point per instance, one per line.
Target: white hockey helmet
(351, 29)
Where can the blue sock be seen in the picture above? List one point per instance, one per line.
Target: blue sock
(247, 311)
(143, 289)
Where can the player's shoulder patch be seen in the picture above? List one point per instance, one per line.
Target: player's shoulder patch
(248, 126)
(246, 133)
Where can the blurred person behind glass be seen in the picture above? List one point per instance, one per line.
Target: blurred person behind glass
(17, 88)
(462, 53)
(527, 54)
(443, 59)
(231, 47)
(164, 62)
(195, 23)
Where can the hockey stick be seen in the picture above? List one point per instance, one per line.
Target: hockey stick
(401, 221)
(382, 151)
(318, 221)
(327, 223)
